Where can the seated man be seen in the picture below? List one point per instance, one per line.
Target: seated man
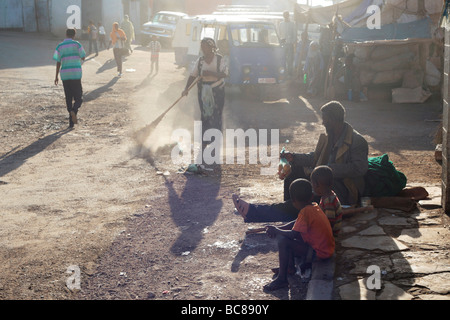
(342, 148)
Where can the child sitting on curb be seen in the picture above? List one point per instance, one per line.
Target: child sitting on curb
(310, 229)
(322, 181)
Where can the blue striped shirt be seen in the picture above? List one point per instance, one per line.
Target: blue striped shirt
(69, 53)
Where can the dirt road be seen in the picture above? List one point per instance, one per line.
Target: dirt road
(92, 198)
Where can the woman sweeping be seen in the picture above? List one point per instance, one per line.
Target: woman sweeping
(212, 70)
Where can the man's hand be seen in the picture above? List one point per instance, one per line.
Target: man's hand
(288, 156)
(271, 231)
(56, 81)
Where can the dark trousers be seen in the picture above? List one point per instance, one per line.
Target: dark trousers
(278, 212)
(102, 41)
(289, 58)
(74, 94)
(93, 43)
(118, 53)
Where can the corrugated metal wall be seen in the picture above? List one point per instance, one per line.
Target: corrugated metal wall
(27, 15)
(11, 16)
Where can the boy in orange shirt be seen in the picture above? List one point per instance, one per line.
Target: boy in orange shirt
(310, 229)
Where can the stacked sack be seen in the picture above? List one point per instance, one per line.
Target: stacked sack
(385, 64)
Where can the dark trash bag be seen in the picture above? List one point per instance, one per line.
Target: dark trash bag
(382, 179)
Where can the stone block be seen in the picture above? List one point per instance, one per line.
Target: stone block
(392, 292)
(356, 290)
(320, 290)
(323, 269)
(383, 243)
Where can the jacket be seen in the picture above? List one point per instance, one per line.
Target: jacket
(348, 160)
(114, 38)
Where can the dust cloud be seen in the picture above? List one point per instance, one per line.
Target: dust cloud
(152, 98)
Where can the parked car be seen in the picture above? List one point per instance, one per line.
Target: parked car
(162, 25)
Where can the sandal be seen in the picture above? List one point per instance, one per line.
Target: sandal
(241, 208)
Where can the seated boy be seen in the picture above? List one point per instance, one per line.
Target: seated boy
(310, 229)
(322, 181)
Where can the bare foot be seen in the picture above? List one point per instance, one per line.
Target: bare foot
(240, 205)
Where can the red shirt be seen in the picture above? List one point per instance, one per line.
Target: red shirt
(316, 231)
(332, 208)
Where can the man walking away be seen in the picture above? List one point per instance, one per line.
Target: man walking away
(68, 56)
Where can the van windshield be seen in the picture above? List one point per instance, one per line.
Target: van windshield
(254, 35)
(165, 18)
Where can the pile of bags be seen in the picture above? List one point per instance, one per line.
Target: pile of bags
(397, 66)
(384, 64)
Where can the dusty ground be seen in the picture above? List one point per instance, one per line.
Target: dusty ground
(94, 198)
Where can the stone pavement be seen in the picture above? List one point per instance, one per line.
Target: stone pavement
(389, 254)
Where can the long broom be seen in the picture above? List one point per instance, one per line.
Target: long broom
(144, 132)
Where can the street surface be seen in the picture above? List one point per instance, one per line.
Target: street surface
(118, 210)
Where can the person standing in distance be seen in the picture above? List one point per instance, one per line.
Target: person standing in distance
(288, 37)
(69, 55)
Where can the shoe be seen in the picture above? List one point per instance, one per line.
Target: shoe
(73, 117)
(119, 74)
(275, 285)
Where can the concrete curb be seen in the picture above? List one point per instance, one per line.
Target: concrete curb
(321, 285)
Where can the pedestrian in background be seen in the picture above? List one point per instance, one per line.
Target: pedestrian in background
(155, 48)
(93, 35)
(288, 37)
(101, 36)
(68, 56)
(118, 39)
(128, 27)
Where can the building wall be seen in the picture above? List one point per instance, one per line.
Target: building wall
(91, 10)
(11, 16)
(139, 12)
(279, 5)
(59, 15)
(168, 5)
(195, 7)
(446, 123)
(26, 15)
(113, 11)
